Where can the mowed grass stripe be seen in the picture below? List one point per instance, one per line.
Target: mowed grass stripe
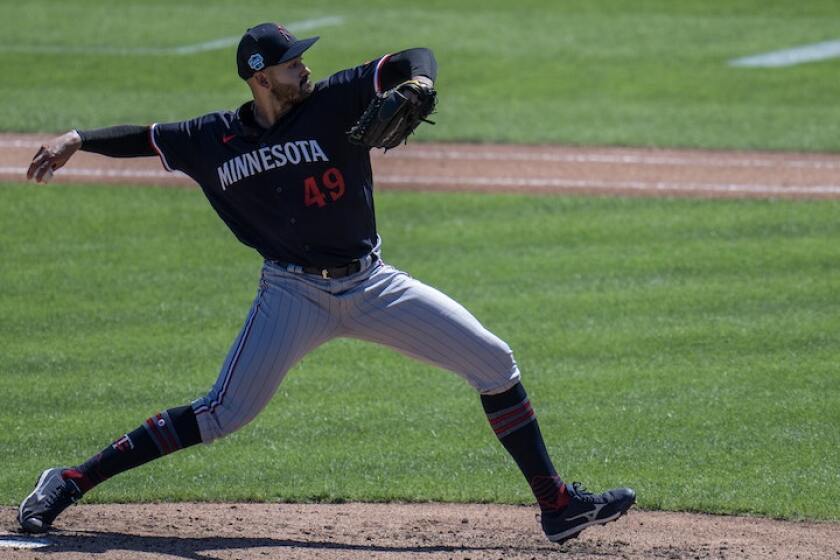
(591, 72)
(686, 348)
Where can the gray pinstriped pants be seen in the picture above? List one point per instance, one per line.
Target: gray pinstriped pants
(294, 313)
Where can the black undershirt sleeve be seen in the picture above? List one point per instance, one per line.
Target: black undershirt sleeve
(404, 65)
(118, 141)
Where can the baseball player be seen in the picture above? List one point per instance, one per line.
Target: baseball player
(288, 180)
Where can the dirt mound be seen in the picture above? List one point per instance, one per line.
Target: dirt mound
(389, 531)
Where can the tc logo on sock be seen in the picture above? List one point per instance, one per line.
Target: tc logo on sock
(123, 444)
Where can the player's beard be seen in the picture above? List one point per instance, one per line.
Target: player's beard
(292, 95)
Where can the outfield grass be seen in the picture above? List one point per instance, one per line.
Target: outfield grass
(688, 348)
(646, 73)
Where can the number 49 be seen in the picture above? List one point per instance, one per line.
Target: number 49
(332, 179)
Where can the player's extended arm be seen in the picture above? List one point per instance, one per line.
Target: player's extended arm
(412, 64)
(115, 141)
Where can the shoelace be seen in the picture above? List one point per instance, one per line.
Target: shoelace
(582, 494)
(61, 495)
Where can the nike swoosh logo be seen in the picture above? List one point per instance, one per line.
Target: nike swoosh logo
(589, 515)
(228, 137)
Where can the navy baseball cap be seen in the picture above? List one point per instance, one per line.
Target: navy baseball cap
(265, 45)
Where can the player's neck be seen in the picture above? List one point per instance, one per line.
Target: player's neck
(269, 110)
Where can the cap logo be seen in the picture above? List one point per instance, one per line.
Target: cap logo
(284, 32)
(256, 62)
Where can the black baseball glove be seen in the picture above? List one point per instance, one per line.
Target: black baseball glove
(393, 115)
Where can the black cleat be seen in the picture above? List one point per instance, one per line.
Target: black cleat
(585, 510)
(52, 495)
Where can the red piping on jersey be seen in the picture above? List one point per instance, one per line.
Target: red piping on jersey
(157, 149)
(376, 82)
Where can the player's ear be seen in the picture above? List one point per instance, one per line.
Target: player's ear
(262, 80)
(258, 79)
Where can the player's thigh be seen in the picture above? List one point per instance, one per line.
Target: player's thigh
(284, 323)
(423, 322)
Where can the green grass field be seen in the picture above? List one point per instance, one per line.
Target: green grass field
(649, 73)
(688, 348)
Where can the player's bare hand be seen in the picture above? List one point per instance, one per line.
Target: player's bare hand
(422, 81)
(53, 155)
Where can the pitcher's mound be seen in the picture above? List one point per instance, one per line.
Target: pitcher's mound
(427, 531)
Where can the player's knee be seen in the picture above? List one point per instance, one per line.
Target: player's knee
(497, 372)
(496, 381)
(216, 422)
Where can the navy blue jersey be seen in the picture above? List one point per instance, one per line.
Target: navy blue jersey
(298, 192)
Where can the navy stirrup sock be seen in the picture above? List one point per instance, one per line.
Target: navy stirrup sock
(515, 424)
(164, 433)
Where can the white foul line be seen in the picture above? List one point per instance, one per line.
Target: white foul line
(18, 143)
(728, 161)
(215, 44)
(791, 57)
(596, 158)
(494, 182)
(566, 184)
(98, 172)
(225, 42)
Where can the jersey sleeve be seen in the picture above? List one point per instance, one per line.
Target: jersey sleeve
(358, 86)
(406, 64)
(355, 88)
(179, 144)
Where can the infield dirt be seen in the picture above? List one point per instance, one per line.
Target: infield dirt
(448, 531)
(521, 169)
(390, 531)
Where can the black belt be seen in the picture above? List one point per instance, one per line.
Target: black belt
(335, 271)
